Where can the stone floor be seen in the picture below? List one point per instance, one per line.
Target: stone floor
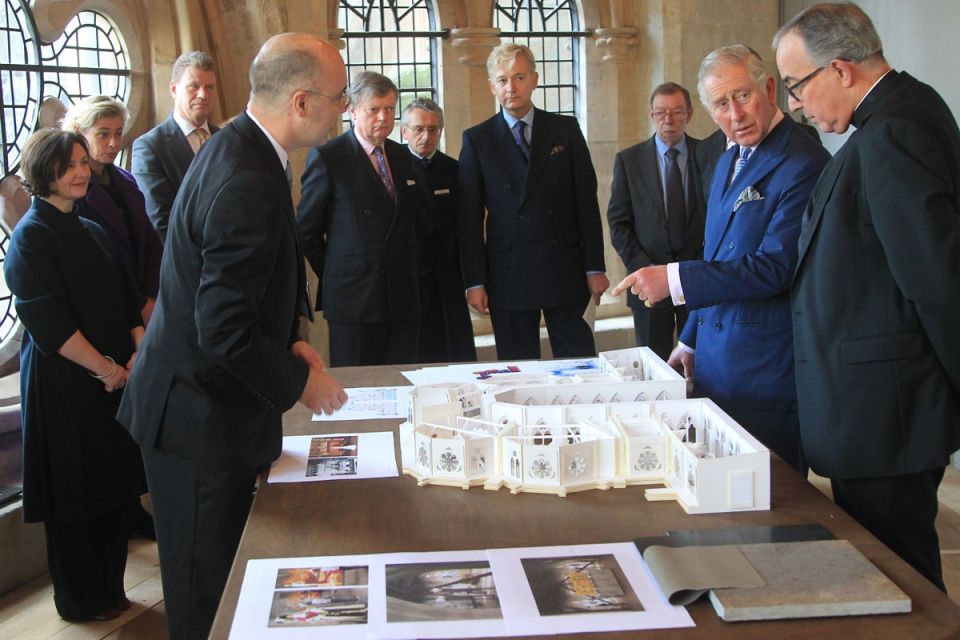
(28, 613)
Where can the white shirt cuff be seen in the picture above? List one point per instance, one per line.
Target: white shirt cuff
(673, 280)
(685, 348)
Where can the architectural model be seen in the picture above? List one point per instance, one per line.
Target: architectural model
(629, 424)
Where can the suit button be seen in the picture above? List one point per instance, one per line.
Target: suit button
(730, 245)
(718, 325)
(367, 212)
(509, 187)
(521, 217)
(699, 322)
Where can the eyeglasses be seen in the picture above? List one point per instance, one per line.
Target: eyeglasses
(661, 114)
(792, 88)
(343, 98)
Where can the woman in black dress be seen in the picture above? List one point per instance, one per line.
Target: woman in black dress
(82, 472)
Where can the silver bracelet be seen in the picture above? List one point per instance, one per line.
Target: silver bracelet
(106, 376)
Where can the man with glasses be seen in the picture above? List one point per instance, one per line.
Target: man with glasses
(657, 209)
(357, 220)
(222, 359)
(875, 292)
(162, 155)
(737, 345)
(446, 333)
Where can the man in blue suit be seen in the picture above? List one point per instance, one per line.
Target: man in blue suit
(543, 247)
(739, 334)
(162, 155)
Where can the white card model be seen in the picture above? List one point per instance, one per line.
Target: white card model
(335, 456)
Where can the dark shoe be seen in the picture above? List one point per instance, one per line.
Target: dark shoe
(123, 604)
(108, 614)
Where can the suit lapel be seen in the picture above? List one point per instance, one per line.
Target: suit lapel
(819, 197)
(510, 155)
(768, 155)
(540, 140)
(177, 143)
(716, 221)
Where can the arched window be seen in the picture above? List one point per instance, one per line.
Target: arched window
(551, 28)
(88, 58)
(397, 38)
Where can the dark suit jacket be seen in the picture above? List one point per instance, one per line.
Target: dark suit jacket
(161, 158)
(133, 238)
(360, 243)
(215, 373)
(738, 295)
(707, 154)
(637, 217)
(875, 292)
(442, 299)
(543, 228)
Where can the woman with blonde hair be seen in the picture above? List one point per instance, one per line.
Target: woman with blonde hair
(113, 200)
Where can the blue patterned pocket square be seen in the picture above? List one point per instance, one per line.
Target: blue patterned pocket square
(747, 195)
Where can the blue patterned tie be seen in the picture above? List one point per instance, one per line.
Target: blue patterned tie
(383, 172)
(521, 139)
(742, 160)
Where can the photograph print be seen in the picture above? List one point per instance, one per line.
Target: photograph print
(433, 591)
(582, 584)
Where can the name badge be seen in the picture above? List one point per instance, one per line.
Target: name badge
(410, 183)
(442, 192)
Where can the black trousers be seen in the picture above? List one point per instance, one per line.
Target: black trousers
(354, 344)
(199, 514)
(900, 511)
(517, 333)
(87, 559)
(655, 327)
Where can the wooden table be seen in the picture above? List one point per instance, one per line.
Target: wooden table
(395, 515)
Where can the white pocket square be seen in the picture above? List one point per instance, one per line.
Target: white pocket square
(747, 195)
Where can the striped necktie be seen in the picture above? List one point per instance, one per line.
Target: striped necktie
(742, 160)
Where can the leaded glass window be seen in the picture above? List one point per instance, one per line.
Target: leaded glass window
(551, 28)
(89, 58)
(397, 38)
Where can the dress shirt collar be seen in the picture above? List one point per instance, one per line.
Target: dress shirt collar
(281, 152)
(187, 127)
(528, 119)
(368, 146)
(662, 146)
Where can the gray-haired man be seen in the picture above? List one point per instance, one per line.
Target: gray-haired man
(357, 219)
(446, 333)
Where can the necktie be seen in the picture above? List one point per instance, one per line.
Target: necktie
(197, 138)
(673, 199)
(383, 172)
(521, 139)
(742, 160)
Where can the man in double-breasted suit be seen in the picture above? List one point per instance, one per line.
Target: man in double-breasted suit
(543, 247)
(875, 292)
(357, 219)
(739, 326)
(657, 208)
(162, 155)
(221, 359)
(446, 333)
